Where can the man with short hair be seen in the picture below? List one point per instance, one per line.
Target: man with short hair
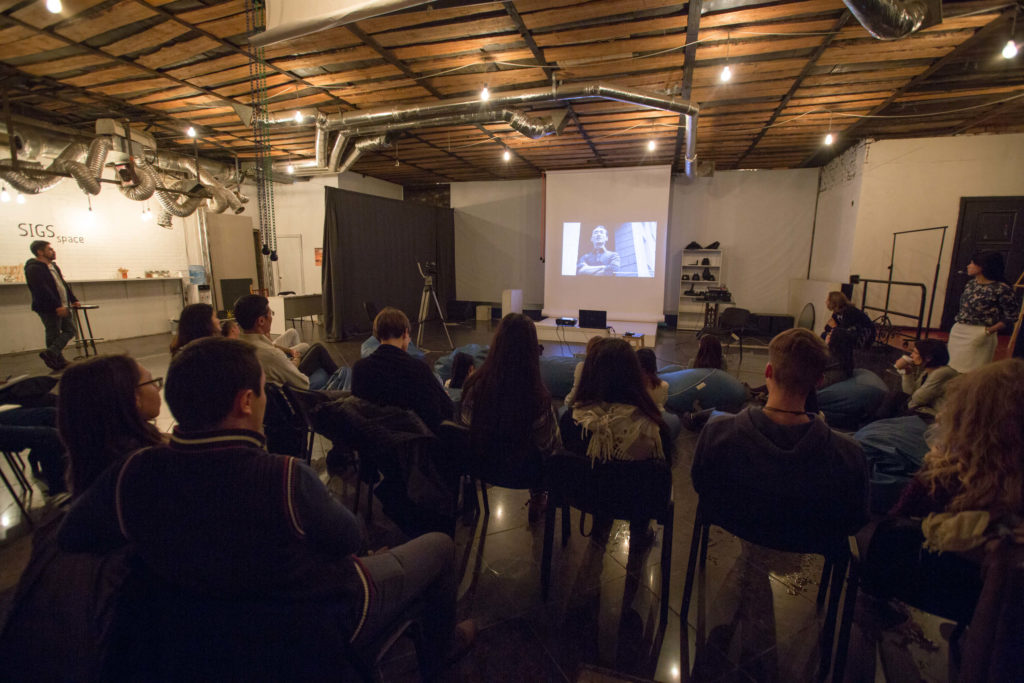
(599, 261)
(311, 370)
(214, 514)
(783, 462)
(391, 377)
(52, 300)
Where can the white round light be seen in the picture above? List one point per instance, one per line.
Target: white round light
(485, 94)
(191, 132)
(1010, 50)
(726, 74)
(506, 155)
(298, 117)
(651, 144)
(20, 198)
(829, 139)
(290, 169)
(54, 6)
(5, 196)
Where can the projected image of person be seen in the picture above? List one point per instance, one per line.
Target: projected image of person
(599, 261)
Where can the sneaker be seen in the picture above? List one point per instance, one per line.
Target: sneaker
(48, 358)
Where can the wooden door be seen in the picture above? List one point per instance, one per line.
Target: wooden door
(985, 224)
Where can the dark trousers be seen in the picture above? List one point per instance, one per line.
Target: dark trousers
(33, 428)
(59, 331)
(318, 365)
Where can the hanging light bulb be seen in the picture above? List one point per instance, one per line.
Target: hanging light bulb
(651, 144)
(290, 169)
(726, 74)
(506, 155)
(829, 139)
(54, 6)
(20, 198)
(298, 116)
(5, 196)
(485, 94)
(191, 132)
(1010, 50)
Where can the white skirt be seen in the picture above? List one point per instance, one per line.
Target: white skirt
(969, 347)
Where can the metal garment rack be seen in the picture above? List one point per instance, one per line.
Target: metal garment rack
(886, 311)
(935, 278)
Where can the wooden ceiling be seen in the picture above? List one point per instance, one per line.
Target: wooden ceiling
(800, 69)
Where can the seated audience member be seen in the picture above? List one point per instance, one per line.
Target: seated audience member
(310, 371)
(925, 375)
(195, 322)
(709, 354)
(34, 428)
(391, 377)
(462, 368)
(839, 366)
(847, 316)
(230, 329)
(657, 388)
(969, 490)
(578, 370)
(213, 514)
(781, 457)
(614, 417)
(63, 608)
(508, 408)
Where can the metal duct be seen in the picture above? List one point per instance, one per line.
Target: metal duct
(174, 204)
(321, 141)
(373, 144)
(24, 181)
(340, 143)
(888, 19)
(88, 174)
(147, 183)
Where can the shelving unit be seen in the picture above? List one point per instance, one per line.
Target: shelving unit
(691, 306)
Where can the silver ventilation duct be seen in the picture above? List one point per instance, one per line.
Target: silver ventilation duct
(24, 181)
(889, 19)
(88, 174)
(147, 183)
(340, 144)
(365, 145)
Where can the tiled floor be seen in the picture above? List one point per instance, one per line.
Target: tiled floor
(600, 622)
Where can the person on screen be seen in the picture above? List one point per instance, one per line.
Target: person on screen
(600, 261)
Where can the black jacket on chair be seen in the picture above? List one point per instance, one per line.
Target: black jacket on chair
(391, 377)
(45, 297)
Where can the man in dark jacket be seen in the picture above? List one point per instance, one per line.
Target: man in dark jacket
(391, 377)
(52, 300)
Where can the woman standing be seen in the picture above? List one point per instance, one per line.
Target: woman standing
(987, 306)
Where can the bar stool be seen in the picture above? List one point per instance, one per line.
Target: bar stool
(17, 467)
(82, 341)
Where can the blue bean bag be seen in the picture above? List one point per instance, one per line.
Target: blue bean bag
(713, 388)
(443, 365)
(555, 371)
(850, 403)
(895, 449)
(371, 344)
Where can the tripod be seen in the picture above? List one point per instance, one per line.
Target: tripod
(428, 294)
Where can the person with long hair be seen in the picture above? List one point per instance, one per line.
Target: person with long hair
(709, 354)
(657, 388)
(195, 322)
(974, 471)
(614, 416)
(987, 307)
(578, 370)
(925, 374)
(840, 342)
(462, 368)
(846, 315)
(508, 408)
(62, 615)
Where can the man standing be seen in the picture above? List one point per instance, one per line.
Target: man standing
(391, 377)
(600, 261)
(52, 299)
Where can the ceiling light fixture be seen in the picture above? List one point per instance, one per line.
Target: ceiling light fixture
(298, 116)
(191, 132)
(1010, 49)
(20, 198)
(290, 168)
(485, 94)
(726, 74)
(54, 6)
(5, 196)
(651, 144)
(506, 155)
(829, 138)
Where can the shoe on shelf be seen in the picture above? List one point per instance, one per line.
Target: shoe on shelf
(684, 278)
(713, 245)
(705, 261)
(692, 245)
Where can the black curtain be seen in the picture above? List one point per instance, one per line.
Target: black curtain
(371, 247)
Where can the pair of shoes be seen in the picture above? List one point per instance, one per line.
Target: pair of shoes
(690, 292)
(705, 261)
(684, 278)
(52, 360)
(693, 245)
(713, 245)
(538, 504)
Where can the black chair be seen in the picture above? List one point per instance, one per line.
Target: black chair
(732, 324)
(783, 530)
(286, 423)
(636, 491)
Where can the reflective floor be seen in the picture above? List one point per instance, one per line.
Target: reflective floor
(600, 621)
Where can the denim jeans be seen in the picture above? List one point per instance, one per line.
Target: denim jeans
(33, 428)
(59, 331)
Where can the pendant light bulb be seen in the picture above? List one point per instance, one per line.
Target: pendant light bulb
(298, 116)
(726, 74)
(54, 6)
(290, 169)
(5, 196)
(20, 198)
(485, 94)
(191, 132)
(1010, 50)
(829, 139)
(651, 144)
(506, 155)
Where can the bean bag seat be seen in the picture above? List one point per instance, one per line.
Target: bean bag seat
(850, 403)
(713, 388)
(371, 344)
(555, 371)
(443, 365)
(895, 449)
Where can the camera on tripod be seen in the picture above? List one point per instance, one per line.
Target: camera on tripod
(427, 269)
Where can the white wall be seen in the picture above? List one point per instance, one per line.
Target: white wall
(498, 239)
(299, 210)
(836, 224)
(762, 219)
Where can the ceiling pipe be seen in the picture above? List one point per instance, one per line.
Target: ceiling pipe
(340, 144)
(889, 19)
(26, 182)
(320, 143)
(373, 144)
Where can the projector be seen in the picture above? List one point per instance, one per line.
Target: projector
(565, 322)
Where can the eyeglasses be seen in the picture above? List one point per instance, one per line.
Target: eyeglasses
(158, 381)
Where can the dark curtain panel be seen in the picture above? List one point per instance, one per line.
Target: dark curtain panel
(371, 247)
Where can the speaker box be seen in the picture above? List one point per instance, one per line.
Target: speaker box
(780, 323)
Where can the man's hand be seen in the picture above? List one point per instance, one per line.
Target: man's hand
(62, 312)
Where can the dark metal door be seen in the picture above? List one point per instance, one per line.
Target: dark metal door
(985, 224)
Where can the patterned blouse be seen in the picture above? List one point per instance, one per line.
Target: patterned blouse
(987, 304)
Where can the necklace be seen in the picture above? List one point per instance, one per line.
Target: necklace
(789, 412)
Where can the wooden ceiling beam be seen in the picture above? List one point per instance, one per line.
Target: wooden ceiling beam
(812, 60)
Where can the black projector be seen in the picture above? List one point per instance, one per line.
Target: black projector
(565, 322)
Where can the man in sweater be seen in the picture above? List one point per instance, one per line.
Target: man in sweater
(52, 300)
(212, 513)
(309, 370)
(391, 377)
(779, 472)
